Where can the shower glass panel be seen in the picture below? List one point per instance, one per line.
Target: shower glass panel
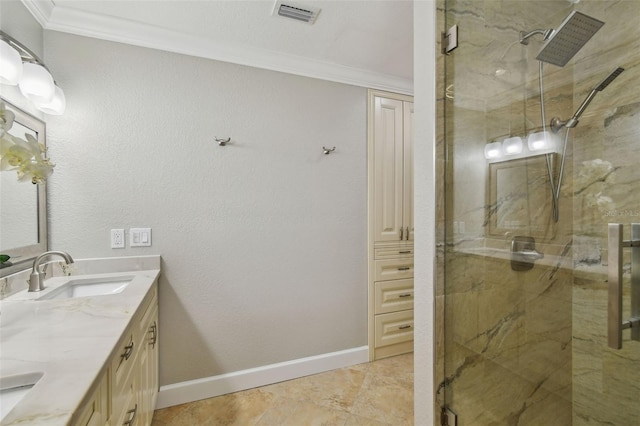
(524, 342)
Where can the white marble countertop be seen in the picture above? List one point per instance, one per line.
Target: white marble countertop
(69, 341)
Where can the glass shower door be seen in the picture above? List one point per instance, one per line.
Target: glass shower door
(526, 294)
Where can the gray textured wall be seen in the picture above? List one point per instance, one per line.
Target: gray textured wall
(263, 241)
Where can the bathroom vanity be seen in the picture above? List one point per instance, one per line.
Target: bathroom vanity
(84, 351)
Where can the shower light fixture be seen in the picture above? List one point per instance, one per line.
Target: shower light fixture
(20, 66)
(493, 150)
(512, 145)
(542, 142)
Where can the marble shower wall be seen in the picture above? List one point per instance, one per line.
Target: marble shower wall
(529, 348)
(507, 334)
(606, 382)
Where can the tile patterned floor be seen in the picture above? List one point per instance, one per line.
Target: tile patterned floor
(372, 394)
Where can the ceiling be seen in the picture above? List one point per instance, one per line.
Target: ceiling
(362, 42)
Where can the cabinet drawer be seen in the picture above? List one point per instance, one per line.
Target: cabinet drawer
(393, 269)
(392, 296)
(394, 252)
(396, 327)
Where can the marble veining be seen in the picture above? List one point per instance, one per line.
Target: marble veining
(529, 348)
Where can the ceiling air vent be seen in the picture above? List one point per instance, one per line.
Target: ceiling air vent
(296, 11)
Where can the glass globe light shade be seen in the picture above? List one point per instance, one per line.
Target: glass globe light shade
(541, 141)
(56, 106)
(36, 83)
(10, 64)
(512, 146)
(493, 150)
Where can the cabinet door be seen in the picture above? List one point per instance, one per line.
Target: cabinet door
(149, 367)
(125, 402)
(388, 169)
(407, 205)
(95, 411)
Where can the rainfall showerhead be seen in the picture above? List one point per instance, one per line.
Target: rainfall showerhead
(557, 124)
(574, 32)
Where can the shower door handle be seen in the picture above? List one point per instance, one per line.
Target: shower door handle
(615, 324)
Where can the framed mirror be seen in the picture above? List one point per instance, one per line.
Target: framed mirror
(23, 205)
(519, 198)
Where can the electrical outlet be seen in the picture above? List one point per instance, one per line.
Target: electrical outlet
(117, 238)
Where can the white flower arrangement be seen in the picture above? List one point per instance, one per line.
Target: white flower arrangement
(26, 156)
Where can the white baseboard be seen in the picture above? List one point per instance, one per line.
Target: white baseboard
(208, 387)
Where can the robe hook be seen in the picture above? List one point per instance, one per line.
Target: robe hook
(222, 142)
(328, 151)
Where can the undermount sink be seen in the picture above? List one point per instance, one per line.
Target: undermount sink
(14, 388)
(87, 287)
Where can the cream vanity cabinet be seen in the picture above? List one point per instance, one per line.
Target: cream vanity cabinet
(390, 236)
(127, 392)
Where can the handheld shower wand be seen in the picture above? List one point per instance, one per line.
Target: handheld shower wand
(557, 124)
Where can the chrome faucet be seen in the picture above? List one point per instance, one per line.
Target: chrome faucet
(36, 279)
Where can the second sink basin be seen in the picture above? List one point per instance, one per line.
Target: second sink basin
(89, 287)
(13, 389)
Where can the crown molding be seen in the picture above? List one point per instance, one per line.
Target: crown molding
(40, 9)
(68, 20)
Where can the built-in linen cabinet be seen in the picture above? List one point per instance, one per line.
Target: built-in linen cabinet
(128, 389)
(390, 237)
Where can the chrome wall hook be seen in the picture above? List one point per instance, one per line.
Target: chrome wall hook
(222, 142)
(328, 151)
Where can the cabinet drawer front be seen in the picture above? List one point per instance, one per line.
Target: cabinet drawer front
(396, 327)
(393, 269)
(392, 296)
(394, 253)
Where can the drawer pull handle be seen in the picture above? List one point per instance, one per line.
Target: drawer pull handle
(405, 252)
(403, 327)
(405, 295)
(133, 414)
(154, 334)
(404, 268)
(128, 350)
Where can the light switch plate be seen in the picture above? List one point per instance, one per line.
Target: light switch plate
(140, 237)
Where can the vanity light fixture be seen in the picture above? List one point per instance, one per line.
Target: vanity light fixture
(31, 75)
(57, 105)
(10, 64)
(36, 83)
